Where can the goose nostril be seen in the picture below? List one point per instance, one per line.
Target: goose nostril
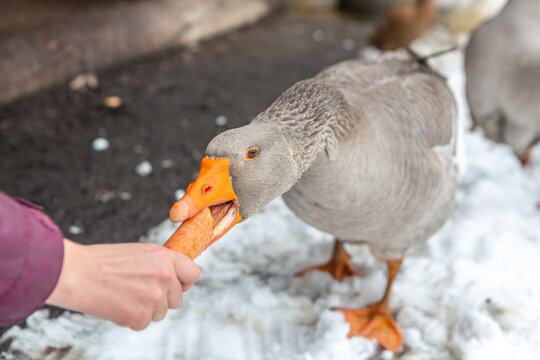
(206, 189)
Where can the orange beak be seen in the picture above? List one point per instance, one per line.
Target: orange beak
(213, 189)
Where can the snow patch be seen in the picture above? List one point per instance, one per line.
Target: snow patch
(221, 120)
(100, 144)
(144, 169)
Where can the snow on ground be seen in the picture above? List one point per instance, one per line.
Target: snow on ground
(471, 292)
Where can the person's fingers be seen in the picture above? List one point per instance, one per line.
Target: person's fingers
(140, 326)
(160, 312)
(175, 297)
(140, 321)
(186, 287)
(186, 270)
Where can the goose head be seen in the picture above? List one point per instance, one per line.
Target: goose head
(243, 170)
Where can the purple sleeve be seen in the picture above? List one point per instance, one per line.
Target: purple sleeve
(31, 255)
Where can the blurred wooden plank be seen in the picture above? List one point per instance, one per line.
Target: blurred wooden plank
(90, 37)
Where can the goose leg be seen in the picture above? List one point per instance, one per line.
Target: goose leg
(525, 158)
(339, 265)
(376, 322)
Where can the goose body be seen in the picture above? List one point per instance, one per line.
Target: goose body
(363, 151)
(502, 65)
(388, 184)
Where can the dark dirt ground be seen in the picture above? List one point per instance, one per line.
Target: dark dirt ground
(171, 101)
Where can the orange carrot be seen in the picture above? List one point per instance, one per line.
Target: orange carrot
(192, 237)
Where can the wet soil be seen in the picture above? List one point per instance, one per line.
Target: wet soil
(170, 104)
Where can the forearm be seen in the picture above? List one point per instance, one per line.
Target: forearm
(67, 292)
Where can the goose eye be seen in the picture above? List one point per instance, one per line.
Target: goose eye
(251, 153)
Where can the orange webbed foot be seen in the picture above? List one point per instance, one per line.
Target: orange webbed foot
(339, 266)
(338, 271)
(375, 322)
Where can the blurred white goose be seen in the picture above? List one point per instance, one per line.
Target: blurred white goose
(465, 15)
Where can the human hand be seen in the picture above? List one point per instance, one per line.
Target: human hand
(130, 284)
